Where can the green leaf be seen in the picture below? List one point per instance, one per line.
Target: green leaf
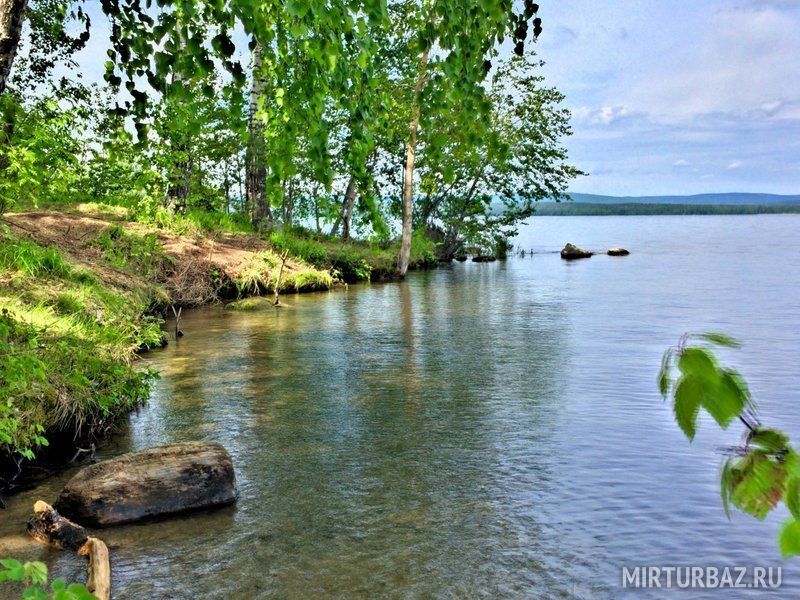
(663, 374)
(35, 593)
(724, 398)
(13, 569)
(79, 592)
(758, 482)
(36, 572)
(727, 482)
(688, 395)
(789, 538)
(770, 440)
(792, 496)
(699, 362)
(721, 339)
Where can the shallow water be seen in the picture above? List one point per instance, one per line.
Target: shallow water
(479, 430)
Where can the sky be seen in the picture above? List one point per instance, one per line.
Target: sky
(668, 97)
(678, 97)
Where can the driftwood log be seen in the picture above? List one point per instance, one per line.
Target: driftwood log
(99, 579)
(50, 528)
(155, 482)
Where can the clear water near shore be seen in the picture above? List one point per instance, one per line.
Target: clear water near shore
(481, 429)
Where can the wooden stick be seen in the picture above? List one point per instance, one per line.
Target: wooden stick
(280, 276)
(99, 578)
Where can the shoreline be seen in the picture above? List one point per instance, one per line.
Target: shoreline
(158, 269)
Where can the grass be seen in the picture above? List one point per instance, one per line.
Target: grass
(142, 254)
(260, 275)
(66, 344)
(194, 222)
(353, 260)
(250, 304)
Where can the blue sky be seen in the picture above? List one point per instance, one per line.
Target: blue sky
(668, 97)
(679, 97)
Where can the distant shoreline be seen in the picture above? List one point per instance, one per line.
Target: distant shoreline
(575, 209)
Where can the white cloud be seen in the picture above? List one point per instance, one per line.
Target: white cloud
(606, 115)
(732, 60)
(681, 163)
(737, 164)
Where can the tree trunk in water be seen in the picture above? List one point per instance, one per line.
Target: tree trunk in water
(12, 13)
(256, 159)
(346, 210)
(408, 170)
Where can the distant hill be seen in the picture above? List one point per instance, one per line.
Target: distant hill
(570, 209)
(699, 199)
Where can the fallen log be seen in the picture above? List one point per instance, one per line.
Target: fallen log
(98, 581)
(152, 483)
(50, 528)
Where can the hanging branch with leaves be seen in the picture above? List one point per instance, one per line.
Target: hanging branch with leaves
(764, 469)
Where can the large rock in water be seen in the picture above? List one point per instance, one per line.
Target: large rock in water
(571, 252)
(155, 482)
(618, 252)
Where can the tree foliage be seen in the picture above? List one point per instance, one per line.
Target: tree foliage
(323, 140)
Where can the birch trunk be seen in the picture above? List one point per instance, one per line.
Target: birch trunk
(256, 159)
(179, 186)
(12, 14)
(346, 210)
(408, 170)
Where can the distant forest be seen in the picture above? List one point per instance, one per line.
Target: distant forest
(571, 209)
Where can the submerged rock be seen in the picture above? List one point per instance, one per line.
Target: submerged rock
(571, 252)
(481, 258)
(461, 257)
(155, 482)
(618, 252)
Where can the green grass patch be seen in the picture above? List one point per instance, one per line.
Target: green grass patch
(141, 254)
(353, 260)
(66, 347)
(250, 304)
(261, 274)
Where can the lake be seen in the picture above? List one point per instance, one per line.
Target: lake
(478, 430)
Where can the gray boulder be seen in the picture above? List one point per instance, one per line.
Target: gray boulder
(618, 252)
(152, 483)
(572, 252)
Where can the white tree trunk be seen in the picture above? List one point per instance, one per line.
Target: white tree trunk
(256, 159)
(408, 170)
(12, 14)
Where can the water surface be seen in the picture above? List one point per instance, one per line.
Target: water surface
(479, 430)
